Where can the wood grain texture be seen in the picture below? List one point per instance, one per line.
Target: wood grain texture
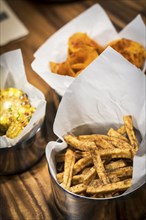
(28, 196)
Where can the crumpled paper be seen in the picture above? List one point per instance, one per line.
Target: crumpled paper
(109, 88)
(13, 75)
(95, 22)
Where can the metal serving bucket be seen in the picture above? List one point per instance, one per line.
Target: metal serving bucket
(131, 206)
(26, 153)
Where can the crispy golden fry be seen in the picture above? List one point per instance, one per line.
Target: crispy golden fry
(98, 164)
(130, 132)
(79, 145)
(89, 176)
(85, 170)
(111, 187)
(122, 172)
(82, 163)
(119, 143)
(122, 130)
(93, 137)
(96, 183)
(78, 188)
(117, 153)
(113, 133)
(59, 177)
(68, 168)
(115, 164)
(76, 179)
(80, 154)
(104, 144)
(113, 178)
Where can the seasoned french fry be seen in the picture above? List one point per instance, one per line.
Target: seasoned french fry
(93, 137)
(103, 144)
(119, 143)
(117, 153)
(85, 170)
(82, 163)
(89, 176)
(113, 133)
(80, 154)
(111, 187)
(77, 144)
(68, 168)
(59, 177)
(130, 132)
(76, 179)
(113, 178)
(115, 164)
(122, 172)
(78, 188)
(99, 166)
(122, 130)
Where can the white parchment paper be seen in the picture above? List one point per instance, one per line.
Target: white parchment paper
(12, 74)
(109, 88)
(95, 22)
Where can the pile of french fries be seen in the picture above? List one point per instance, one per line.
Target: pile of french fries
(96, 165)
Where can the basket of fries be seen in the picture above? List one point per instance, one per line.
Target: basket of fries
(22, 114)
(65, 54)
(98, 166)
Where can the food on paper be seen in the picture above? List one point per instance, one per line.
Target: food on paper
(15, 111)
(96, 165)
(131, 50)
(82, 50)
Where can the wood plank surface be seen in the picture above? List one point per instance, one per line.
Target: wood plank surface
(28, 196)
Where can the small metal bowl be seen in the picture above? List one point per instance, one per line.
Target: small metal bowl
(130, 205)
(26, 153)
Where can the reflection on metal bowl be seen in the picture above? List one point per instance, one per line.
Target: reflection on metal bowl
(26, 153)
(75, 207)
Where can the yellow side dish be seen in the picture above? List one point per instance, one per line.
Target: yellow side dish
(15, 111)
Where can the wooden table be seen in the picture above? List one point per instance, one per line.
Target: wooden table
(28, 196)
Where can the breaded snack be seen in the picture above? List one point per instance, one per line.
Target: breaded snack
(131, 50)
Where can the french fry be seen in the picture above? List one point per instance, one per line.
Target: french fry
(103, 143)
(111, 187)
(68, 168)
(130, 132)
(82, 163)
(78, 188)
(119, 143)
(59, 177)
(99, 166)
(89, 176)
(93, 137)
(113, 178)
(113, 133)
(122, 172)
(116, 164)
(117, 153)
(122, 130)
(77, 144)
